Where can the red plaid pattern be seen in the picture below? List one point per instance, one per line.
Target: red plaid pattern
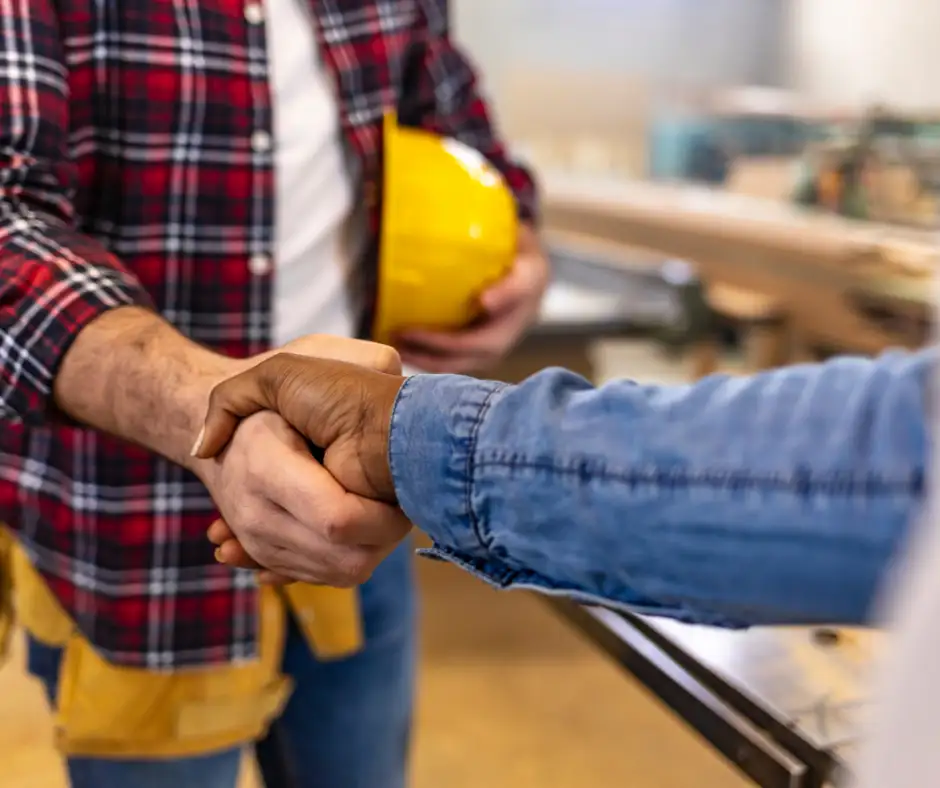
(134, 169)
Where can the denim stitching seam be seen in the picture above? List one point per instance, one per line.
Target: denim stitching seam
(803, 483)
(472, 466)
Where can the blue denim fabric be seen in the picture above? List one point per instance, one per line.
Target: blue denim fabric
(775, 499)
(347, 725)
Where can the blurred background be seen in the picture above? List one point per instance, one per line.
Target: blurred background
(728, 185)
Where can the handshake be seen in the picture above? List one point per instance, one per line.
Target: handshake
(282, 511)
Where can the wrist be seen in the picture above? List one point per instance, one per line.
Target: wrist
(131, 374)
(376, 432)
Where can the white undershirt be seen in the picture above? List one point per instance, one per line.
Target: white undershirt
(313, 193)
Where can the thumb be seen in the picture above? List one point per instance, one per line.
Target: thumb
(229, 402)
(507, 292)
(313, 395)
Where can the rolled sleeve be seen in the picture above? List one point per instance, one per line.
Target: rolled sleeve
(781, 498)
(53, 283)
(53, 280)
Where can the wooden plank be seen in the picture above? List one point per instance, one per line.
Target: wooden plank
(811, 263)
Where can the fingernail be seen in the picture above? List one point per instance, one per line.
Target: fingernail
(218, 555)
(198, 444)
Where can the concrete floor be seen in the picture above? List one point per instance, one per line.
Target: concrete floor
(509, 695)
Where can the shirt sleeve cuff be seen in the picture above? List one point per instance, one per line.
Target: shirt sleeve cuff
(431, 453)
(42, 337)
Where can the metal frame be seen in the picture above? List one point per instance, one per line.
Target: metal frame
(762, 747)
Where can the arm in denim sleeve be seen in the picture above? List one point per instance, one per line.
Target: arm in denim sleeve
(778, 498)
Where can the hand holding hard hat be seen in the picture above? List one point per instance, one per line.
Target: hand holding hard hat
(459, 279)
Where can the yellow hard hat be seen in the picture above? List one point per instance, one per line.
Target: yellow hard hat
(448, 231)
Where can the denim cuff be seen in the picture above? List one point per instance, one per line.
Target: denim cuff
(432, 443)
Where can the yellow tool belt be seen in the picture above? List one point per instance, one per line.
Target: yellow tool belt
(110, 711)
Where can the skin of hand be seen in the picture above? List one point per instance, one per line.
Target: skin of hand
(510, 307)
(291, 515)
(288, 518)
(345, 409)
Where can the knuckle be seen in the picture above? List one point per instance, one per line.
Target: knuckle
(270, 371)
(355, 567)
(257, 431)
(250, 528)
(218, 396)
(387, 359)
(335, 529)
(251, 427)
(252, 460)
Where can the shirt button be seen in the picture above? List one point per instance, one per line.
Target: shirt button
(259, 264)
(261, 142)
(254, 13)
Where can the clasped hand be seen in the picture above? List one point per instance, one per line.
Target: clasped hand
(281, 511)
(333, 524)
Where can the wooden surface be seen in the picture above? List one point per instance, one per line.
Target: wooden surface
(816, 265)
(708, 225)
(509, 696)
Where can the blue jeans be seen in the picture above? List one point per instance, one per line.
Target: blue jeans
(347, 725)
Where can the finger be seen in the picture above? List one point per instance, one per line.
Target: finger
(376, 524)
(243, 395)
(342, 519)
(230, 402)
(219, 532)
(486, 339)
(447, 365)
(353, 351)
(314, 500)
(506, 294)
(231, 553)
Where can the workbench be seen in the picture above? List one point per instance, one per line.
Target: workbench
(825, 271)
(785, 706)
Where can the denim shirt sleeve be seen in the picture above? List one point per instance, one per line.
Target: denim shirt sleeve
(773, 499)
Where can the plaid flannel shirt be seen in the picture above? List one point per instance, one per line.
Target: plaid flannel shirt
(135, 168)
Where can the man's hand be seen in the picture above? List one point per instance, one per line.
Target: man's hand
(509, 309)
(346, 410)
(291, 516)
(343, 408)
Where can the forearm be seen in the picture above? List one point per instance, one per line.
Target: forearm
(773, 499)
(133, 375)
(62, 293)
(80, 339)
